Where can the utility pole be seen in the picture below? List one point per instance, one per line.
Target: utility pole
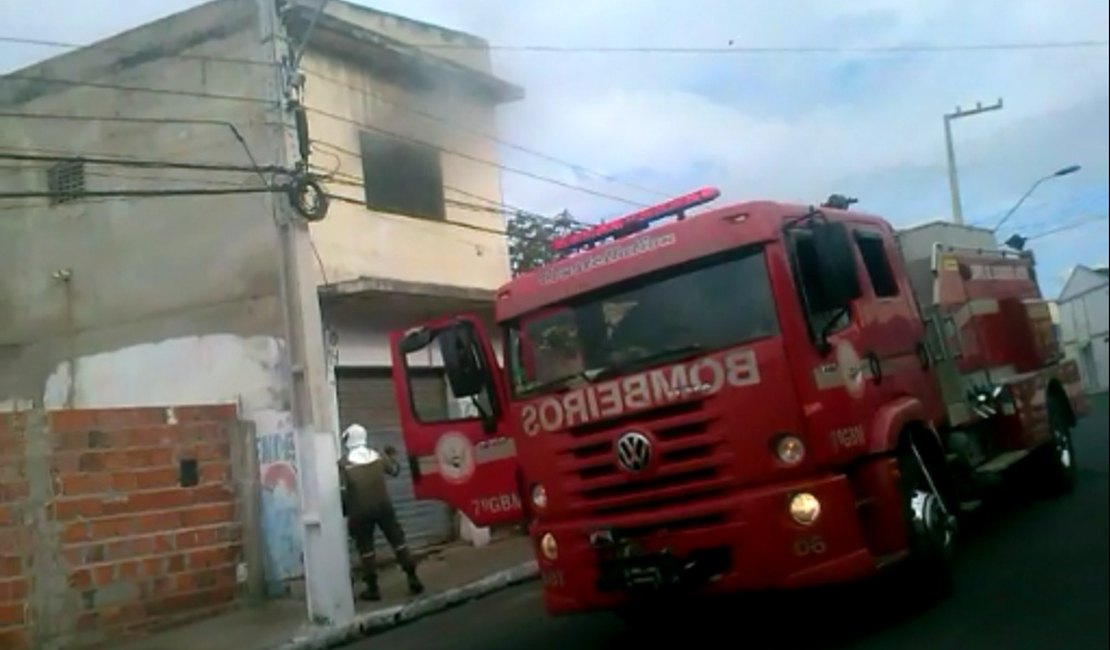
(953, 181)
(326, 563)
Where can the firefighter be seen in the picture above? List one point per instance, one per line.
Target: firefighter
(368, 506)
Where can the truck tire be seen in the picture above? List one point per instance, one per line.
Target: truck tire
(931, 531)
(1057, 463)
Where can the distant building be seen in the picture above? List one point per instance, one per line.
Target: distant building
(1084, 307)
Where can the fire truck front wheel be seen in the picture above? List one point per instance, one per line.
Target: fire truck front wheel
(1058, 456)
(930, 522)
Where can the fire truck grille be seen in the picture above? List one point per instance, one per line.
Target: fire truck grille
(672, 525)
(692, 463)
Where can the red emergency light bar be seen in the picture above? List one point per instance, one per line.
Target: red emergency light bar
(635, 221)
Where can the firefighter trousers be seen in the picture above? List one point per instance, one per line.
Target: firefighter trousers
(363, 529)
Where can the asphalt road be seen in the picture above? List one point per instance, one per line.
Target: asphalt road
(1031, 574)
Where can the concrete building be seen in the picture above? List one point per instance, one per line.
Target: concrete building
(1084, 308)
(108, 302)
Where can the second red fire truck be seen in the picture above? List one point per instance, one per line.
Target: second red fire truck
(757, 396)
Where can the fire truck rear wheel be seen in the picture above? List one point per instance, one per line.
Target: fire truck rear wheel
(1058, 460)
(931, 529)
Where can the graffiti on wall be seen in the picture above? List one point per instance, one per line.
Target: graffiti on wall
(281, 530)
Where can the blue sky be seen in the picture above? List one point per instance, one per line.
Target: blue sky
(784, 126)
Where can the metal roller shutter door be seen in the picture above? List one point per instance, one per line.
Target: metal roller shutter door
(366, 397)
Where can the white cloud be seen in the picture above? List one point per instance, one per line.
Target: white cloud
(792, 126)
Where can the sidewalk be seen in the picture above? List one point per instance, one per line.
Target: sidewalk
(451, 575)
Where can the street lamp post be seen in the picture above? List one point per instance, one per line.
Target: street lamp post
(953, 182)
(1071, 169)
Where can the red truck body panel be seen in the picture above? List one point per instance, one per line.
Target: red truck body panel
(714, 485)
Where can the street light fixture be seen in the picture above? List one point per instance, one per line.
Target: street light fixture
(953, 182)
(1070, 169)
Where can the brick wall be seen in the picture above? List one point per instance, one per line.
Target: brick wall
(133, 517)
(15, 538)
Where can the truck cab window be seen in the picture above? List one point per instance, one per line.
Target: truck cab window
(807, 277)
(428, 389)
(701, 307)
(875, 259)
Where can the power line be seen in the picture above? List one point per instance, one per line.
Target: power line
(298, 51)
(510, 208)
(512, 145)
(730, 49)
(235, 132)
(787, 49)
(477, 159)
(145, 164)
(70, 117)
(133, 177)
(68, 154)
(503, 208)
(12, 206)
(494, 207)
(118, 50)
(347, 180)
(1071, 226)
(468, 226)
(200, 191)
(134, 89)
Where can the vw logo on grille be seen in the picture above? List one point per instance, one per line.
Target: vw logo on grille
(633, 451)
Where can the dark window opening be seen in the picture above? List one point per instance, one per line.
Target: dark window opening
(65, 182)
(878, 264)
(807, 273)
(402, 177)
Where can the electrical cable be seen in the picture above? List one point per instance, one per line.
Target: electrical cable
(479, 133)
(134, 89)
(472, 158)
(731, 48)
(142, 163)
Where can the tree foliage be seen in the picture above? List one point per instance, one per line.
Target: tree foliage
(530, 236)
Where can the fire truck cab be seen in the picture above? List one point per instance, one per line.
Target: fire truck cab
(758, 396)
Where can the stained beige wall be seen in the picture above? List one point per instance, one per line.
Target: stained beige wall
(141, 271)
(466, 249)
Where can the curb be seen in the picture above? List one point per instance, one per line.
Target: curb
(391, 617)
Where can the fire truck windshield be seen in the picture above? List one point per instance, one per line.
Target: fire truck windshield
(681, 311)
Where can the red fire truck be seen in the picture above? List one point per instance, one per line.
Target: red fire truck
(754, 397)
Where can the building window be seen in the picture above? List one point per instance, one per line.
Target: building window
(402, 177)
(65, 182)
(874, 255)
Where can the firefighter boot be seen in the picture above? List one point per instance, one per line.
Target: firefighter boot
(415, 586)
(404, 558)
(370, 578)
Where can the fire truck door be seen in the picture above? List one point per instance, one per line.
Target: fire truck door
(468, 460)
(891, 333)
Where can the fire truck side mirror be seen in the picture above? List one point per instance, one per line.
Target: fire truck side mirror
(415, 340)
(462, 360)
(836, 264)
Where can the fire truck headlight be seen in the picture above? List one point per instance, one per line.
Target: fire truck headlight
(548, 546)
(804, 508)
(539, 496)
(790, 450)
